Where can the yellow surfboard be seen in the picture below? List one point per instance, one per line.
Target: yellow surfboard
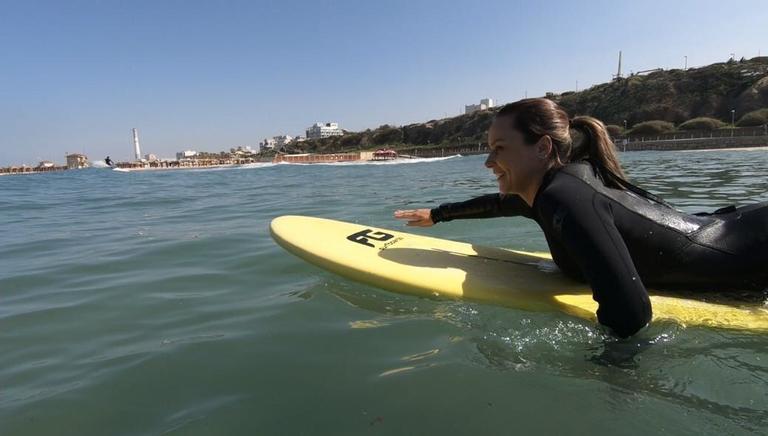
(419, 265)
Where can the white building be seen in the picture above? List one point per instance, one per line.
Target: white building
(323, 130)
(186, 154)
(268, 143)
(282, 140)
(243, 151)
(485, 104)
(150, 157)
(77, 161)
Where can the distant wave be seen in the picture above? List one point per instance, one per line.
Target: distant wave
(378, 162)
(256, 165)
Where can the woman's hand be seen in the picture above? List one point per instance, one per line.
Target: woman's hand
(415, 217)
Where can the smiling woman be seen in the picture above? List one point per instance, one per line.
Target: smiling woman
(599, 227)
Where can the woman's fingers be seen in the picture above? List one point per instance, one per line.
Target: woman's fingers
(415, 217)
(406, 214)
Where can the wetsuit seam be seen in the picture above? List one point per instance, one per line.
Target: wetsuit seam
(705, 245)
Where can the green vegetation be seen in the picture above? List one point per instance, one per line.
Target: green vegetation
(702, 123)
(695, 99)
(614, 130)
(654, 127)
(754, 118)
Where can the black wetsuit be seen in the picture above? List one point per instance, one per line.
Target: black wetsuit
(619, 241)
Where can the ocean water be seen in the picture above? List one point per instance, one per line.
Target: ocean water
(156, 303)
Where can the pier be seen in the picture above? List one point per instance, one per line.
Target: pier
(26, 169)
(185, 163)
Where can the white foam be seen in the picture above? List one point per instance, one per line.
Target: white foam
(98, 164)
(256, 165)
(377, 162)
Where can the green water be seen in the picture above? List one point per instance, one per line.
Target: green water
(156, 303)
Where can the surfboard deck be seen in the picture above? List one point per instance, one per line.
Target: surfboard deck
(430, 267)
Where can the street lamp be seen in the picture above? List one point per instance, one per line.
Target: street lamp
(625, 125)
(733, 120)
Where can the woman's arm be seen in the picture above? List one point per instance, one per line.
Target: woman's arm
(486, 206)
(584, 223)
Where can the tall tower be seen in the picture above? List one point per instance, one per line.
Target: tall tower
(136, 148)
(618, 74)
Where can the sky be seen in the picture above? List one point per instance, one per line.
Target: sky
(77, 76)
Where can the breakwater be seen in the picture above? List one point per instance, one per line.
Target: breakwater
(25, 169)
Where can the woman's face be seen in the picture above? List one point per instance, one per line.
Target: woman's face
(514, 163)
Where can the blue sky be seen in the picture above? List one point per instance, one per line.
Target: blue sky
(78, 75)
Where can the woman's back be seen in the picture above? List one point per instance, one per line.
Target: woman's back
(670, 249)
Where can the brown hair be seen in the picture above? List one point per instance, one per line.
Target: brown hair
(536, 117)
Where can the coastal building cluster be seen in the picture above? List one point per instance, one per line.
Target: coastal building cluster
(239, 155)
(315, 131)
(74, 161)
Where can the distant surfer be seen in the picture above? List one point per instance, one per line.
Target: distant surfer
(109, 162)
(564, 173)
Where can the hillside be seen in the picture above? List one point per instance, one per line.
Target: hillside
(672, 95)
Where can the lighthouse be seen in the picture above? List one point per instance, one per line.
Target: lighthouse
(136, 148)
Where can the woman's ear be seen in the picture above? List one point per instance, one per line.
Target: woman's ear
(544, 147)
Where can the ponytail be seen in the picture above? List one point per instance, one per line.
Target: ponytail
(597, 148)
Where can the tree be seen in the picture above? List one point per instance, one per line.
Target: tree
(702, 123)
(654, 127)
(614, 130)
(754, 118)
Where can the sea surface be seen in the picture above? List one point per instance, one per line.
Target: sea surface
(156, 303)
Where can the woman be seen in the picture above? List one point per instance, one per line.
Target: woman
(599, 227)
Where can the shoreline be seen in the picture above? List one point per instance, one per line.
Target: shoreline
(756, 148)
(688, 145)
(179, 168)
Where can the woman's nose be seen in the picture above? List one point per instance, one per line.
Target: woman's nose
(489, 161)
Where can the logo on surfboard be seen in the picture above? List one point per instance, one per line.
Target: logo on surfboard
(365, 236)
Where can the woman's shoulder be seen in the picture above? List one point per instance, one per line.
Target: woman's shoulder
(572, 177)
(570, 185)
